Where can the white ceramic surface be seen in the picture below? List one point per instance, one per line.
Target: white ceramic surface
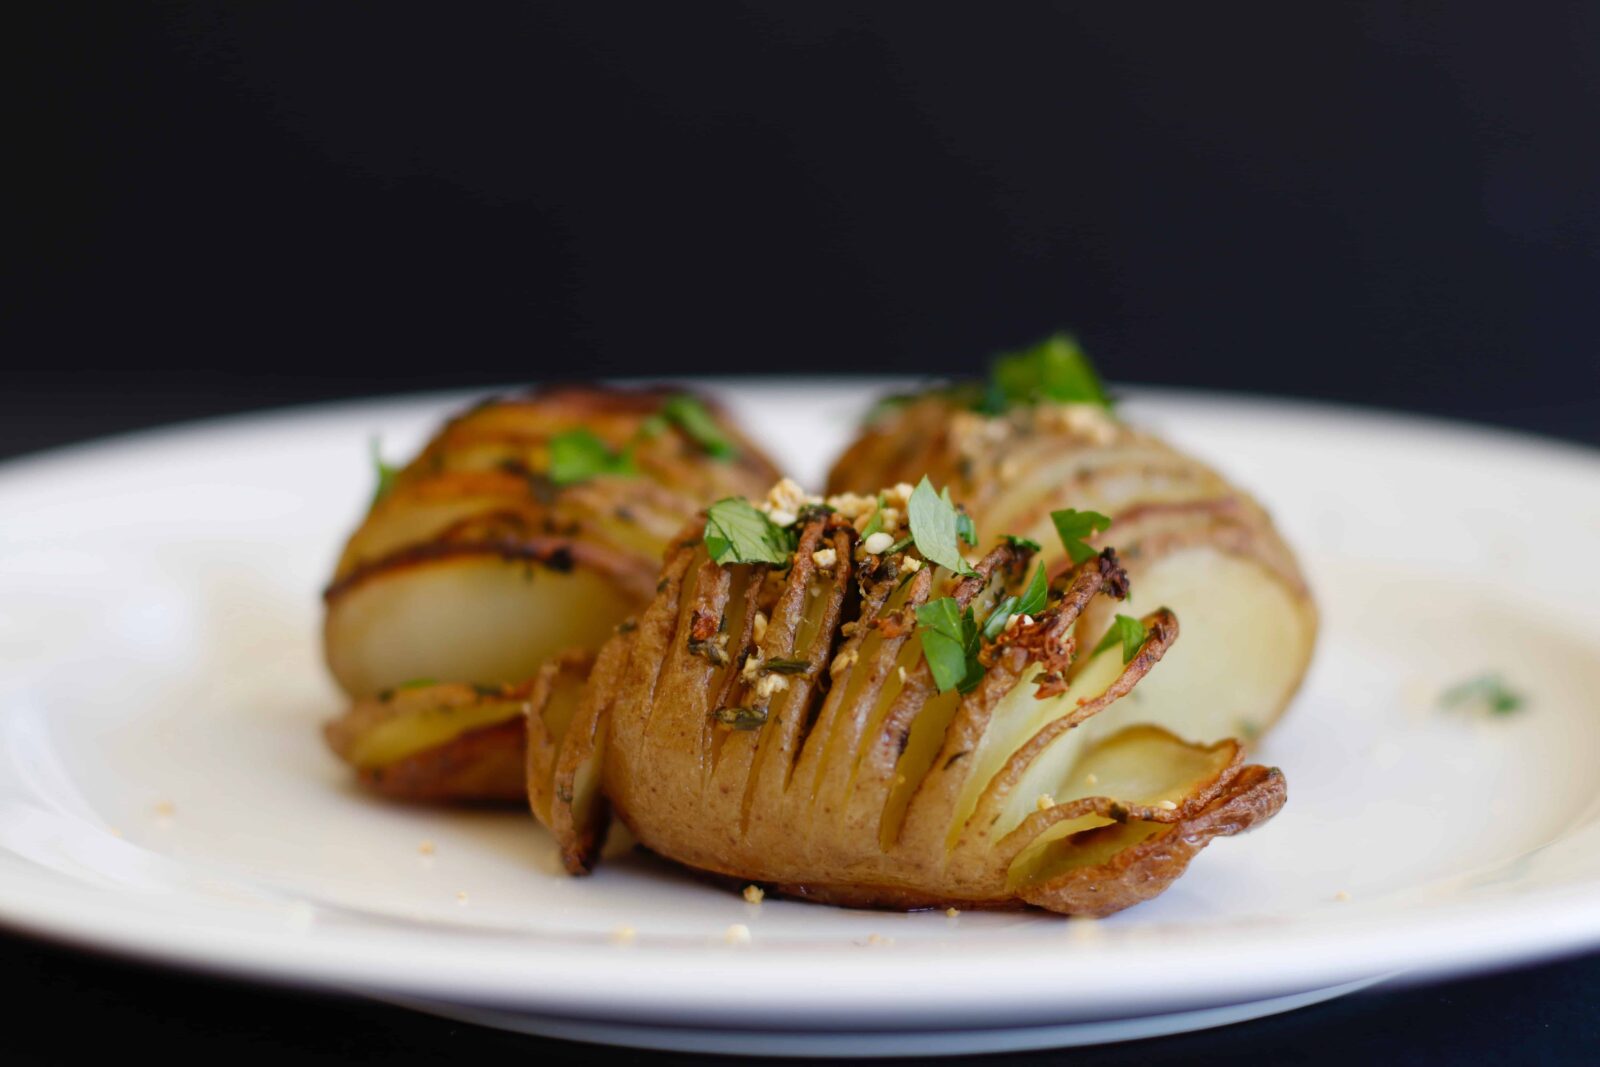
(164, 790)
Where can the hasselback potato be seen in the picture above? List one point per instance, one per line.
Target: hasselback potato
(1041, 435)
(527, 525)
(842, 708)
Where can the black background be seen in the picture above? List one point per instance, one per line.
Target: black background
(221, 208)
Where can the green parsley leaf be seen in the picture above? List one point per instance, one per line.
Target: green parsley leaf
(966, 529)
(950, 643)
(386, 473)
(1074, 527)
(1026, 543)
(1129, 631)
(875, 523)
(935, 528)
(737, 533)
(578, 455)
(1487, 691)
(690, 415)
(785, 666)
(1031, 602)
(1055, 369)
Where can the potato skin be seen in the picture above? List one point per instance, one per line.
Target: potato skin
(798, 803)
(476, 567)
(1188, 538)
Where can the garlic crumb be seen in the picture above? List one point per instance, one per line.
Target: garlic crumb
(770, 684)
(1342, 895)
(426, 848)
(1045, 802)
(825, 558)
(461, 896)
(910, 564)
(1167, 805)
(759, 626)
(166, 809)
(624, 935)
(754, 894)
(879, 939)
(1091, 779)
(737, 934)
(951, 913)
(878, 543)
(900, 672)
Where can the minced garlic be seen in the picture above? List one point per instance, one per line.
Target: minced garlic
(754, 894)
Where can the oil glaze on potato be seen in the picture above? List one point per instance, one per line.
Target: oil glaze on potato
(476, 567)
(1190, 541)
(852, 779)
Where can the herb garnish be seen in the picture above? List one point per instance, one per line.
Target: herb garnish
(741, 718)
(1026, 543)
(386, 473)
(1055, 369)
(578, 455)
(950, 643)
(785, 666)
(1487, 691)
(689, 415)
(936, 527)
(875, 523)
(1074, 527)
(738, 533)
(1129, 631)
(1031, 602)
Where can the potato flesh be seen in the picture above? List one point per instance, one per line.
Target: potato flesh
(479, 619)
(1246, 644)
(417, 729)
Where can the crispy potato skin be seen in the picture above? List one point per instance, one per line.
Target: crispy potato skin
(801, 803)
(475, 567)
(1181, 529)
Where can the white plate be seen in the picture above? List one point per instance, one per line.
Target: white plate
(164, 790)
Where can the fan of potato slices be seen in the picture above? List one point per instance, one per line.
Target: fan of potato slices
(1039, 436)
(527, 526)
(842, 708)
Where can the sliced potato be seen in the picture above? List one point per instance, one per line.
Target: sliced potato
(476, 566)
(821, 760)
(1190, 541)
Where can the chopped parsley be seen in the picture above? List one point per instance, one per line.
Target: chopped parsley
(1074, 527)
(1031, 602)
(785, 666)
(578, 455)
(1025, 543)
(385, 472)
(689, 415)
(1129, 632)
(950, 643)
(1056, 369)
(1487, 691)
(738, 533)
(874, 524)
(936, 527)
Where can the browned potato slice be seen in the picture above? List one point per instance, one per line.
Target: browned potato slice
(437, 741)
(1190, 541)
(481, 562)
(822, 760)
